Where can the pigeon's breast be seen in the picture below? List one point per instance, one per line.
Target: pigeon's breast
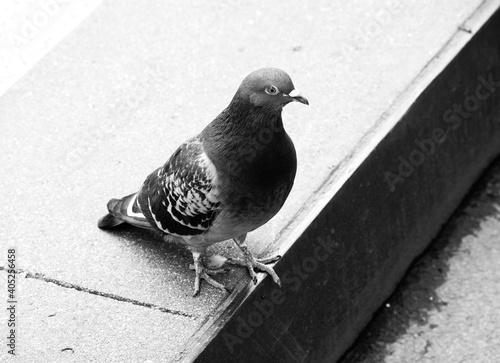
(259, 190)
(242, 212)
(255, 166)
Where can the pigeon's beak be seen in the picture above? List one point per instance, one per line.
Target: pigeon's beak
(296, 96)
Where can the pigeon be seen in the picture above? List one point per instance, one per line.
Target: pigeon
(227, 181)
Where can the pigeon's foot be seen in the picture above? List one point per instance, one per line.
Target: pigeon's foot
(201, 272)
(214, 265)
(253, 263)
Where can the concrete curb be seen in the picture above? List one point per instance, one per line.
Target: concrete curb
(347, 256)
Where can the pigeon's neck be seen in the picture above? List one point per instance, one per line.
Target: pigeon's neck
(245, 139)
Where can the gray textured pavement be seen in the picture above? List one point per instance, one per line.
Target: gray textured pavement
(31, 28)
(447, 308)
(113, 99)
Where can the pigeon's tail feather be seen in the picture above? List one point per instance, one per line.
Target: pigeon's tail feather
(109, 221)
(118, 207)
(125, 210)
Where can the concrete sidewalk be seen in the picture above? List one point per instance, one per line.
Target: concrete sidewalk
(29, 29)
(110, 103)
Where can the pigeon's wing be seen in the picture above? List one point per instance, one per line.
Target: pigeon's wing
(180, 198)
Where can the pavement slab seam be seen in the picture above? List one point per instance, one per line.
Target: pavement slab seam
(68, 285)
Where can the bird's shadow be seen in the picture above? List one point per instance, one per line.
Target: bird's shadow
(416, 296)
(175, 256)
(149, 242)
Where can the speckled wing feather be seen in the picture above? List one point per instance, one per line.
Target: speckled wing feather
(180, 198)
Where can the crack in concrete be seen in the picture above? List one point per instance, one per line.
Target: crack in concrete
(68, 285)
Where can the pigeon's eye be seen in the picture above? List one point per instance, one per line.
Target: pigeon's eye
(271, 90)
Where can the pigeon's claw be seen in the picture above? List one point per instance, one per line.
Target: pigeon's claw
(203, 273)
(211, 271)
(253, 263)
(271, 259)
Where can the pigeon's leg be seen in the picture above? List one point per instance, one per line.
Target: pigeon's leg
(214, 265)
(202, 273)
(251, 262)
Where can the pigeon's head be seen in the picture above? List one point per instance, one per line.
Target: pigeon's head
(270, 88)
